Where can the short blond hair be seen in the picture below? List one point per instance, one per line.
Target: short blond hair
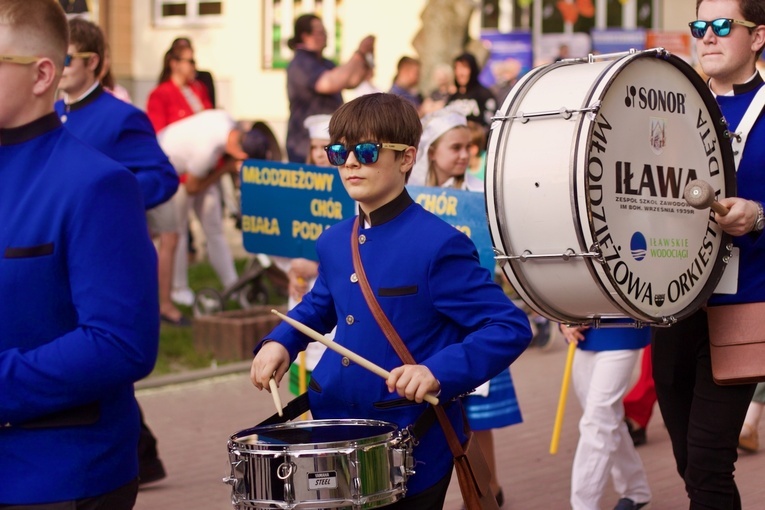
(43, 23)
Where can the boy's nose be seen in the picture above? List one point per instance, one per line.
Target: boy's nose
(351, 160)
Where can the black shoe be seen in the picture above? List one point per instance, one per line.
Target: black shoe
(181, 322)
(150, 470)
(637, 434)
(628, 504)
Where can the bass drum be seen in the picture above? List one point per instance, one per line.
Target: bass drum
(586, 165)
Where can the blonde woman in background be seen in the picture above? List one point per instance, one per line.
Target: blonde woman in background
(442, 161)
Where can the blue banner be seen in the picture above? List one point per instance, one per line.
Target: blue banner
(464, 210)
(506, 47)
(286, 206)
(617, 40)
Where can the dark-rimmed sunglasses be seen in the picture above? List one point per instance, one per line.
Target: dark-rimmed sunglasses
(366, 152)
(71, 56)
(720, 26)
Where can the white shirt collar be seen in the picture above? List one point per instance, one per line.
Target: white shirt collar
(84, 95)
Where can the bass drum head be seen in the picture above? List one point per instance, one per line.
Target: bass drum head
(658, 129)
(600, 189)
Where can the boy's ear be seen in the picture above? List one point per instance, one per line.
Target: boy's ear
(408, 158)
(46, 77)
(758, 39)
(92, 63)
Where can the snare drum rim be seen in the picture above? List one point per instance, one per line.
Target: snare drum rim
(235, 439)
(726, 150)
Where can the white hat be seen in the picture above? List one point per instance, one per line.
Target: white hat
(433, 126)
(318, 126)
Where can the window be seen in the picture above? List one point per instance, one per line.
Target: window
(278, 24)
(174, 13)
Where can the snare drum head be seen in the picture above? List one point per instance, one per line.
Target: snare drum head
(658, 129)
(316, 433)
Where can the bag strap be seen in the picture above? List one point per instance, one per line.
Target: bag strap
(382, 320)
(745, 126)
(393, 337)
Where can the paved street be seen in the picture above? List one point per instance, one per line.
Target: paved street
(193, 421)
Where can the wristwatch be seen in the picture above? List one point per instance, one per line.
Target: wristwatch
(759, 222)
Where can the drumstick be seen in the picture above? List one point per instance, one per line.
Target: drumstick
(700, 195)
(363, 362)
(562, 400)
(275, 395)
(302, 369)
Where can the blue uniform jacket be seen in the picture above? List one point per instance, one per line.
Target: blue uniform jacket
(125, 134)
(79, 316)
(453, 318)
(751, 185)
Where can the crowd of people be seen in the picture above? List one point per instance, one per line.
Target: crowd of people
(89, 180)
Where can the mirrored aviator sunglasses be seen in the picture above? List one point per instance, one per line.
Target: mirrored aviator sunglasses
(366, 152)
(720, 26)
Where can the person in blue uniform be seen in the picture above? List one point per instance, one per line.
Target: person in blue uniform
(456, 322)
(601, 373)
(114, 127)
(125, 134)
(703, 418)
(79, 319)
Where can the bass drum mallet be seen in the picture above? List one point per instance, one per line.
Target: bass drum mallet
(700, 195)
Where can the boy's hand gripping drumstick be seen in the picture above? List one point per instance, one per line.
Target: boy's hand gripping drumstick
(363, 362)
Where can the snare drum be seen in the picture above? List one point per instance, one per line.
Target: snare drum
(319, 464)
(586, 165)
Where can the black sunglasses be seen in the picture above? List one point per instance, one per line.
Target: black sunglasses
(720, 26)
(366, 152)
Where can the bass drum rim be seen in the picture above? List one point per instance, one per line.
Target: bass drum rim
(500, 238)
(496, 136)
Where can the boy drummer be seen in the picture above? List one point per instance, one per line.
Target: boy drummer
(456, 322)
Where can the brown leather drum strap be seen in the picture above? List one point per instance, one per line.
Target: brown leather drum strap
(382, 320)
(393, 337)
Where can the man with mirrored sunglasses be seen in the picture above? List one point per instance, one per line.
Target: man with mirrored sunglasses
(720, 26)
(703, 418)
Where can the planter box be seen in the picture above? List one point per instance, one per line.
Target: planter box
(231, 336)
